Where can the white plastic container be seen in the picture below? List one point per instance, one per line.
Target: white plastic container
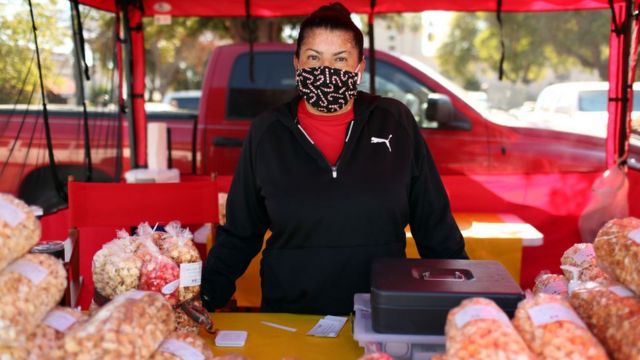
(400, 346)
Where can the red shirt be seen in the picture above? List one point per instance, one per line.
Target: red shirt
(328, 132)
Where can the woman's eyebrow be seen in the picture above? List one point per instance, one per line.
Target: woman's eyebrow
(334, 54)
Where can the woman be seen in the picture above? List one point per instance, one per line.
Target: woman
(336, 175)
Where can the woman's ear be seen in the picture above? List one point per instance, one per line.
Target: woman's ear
(296, 63)
(361, 67)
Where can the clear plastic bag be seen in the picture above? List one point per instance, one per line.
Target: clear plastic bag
(553, 330)
(181, 345)
(177, 244)
(579, 263)
(478, 329)
(131, 326)
(546, 283)
(29, 288)
(158, 272)
(617, 247)
(609, 200)
(115, 268)
(612, 313)
(19, 229)
(47, 341)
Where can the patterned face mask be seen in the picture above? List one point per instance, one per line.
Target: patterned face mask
(327, 89)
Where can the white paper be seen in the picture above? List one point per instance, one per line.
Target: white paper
(170, 287)
(28, 269)
(548, 313)
(556, 287)
(11, 214)
(231, 338)
(157, 149)
(59, 320)
(635, 235)
(180, 349)
(329, 326)
(621, 291)
(190, 274)
(478, 312)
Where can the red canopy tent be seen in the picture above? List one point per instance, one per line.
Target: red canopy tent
(621, 61)
(623, 53)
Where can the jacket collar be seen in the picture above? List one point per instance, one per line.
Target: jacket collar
(363, 104)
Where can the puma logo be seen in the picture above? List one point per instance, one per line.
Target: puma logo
(375, 140)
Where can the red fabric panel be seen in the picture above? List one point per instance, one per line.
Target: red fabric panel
(552, 203)
(55, 226)
(118, 204)
(273, 8)
(634, 192)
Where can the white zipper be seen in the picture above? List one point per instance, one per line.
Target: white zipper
(349, 133)
(305, 134)
(334, 171)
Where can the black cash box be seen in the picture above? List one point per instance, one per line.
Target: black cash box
(414, 296)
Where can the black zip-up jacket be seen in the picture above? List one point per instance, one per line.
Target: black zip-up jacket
(328, 223)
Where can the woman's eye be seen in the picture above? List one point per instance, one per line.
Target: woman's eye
(341, 59)
(312, 57)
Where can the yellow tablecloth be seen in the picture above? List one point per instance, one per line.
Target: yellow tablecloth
(266, 342)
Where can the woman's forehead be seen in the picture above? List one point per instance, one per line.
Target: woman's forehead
(328, 39)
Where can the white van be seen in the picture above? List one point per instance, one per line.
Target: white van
(578, 107)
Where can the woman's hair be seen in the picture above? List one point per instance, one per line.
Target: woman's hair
(334, 16)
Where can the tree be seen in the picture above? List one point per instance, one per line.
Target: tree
(534, 43)
(17, 52)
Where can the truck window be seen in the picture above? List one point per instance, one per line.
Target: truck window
(391, 81)
(273, 84)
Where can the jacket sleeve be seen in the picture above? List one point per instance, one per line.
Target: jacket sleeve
(433, 227)
(240, 239)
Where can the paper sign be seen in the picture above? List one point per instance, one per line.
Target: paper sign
(59, 320)
(190, 274)
(28, 269)
(480, 312)
(548, 313)
(180, 349)
(621, 291)
(10, 214)
(329, 326)
(635, 235)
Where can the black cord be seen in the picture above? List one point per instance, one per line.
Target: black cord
(52, 162)
(502, 50)
(250, 32)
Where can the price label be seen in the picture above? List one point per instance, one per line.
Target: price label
(191, 274)
(181, 349)
(480, 312)
(11, 214)
(548, 313)
(28, 269)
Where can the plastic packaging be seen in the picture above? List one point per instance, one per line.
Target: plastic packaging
(29, 288)
(478, 329)
(177, 244)
(612, 313)
(131, 326)
(546, 283)
(580, 259)
(617, 247)
(158, 272)
(553, 330)
(19, 229)
(181, 345)
(47, 341)
(115, 268)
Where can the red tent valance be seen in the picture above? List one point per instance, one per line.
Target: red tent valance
(274, 8)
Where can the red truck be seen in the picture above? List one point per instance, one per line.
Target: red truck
(489, 161)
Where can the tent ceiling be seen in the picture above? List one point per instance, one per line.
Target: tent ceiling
(273, 8)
